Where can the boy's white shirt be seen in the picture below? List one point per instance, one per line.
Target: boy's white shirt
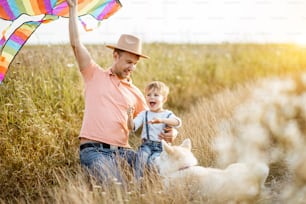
(154, 129)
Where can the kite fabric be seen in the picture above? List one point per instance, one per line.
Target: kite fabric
(11, 10)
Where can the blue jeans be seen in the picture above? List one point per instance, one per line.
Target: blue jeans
(104, 164)
(146, 154)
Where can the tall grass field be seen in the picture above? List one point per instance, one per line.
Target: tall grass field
(238, 102)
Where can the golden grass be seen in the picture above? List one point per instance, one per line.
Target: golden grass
(41, 103)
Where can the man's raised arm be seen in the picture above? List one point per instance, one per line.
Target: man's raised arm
(80, 51)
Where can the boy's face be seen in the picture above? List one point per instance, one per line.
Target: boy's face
(155, 100)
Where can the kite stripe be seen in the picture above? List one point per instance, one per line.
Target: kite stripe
(6, 11)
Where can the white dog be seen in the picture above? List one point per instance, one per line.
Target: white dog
(239, 182)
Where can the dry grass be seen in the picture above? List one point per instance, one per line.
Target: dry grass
(42, 106)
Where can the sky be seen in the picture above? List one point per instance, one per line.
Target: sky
(192, 21)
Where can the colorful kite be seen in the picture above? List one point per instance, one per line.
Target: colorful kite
(11, 10)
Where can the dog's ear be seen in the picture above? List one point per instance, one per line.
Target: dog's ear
(186, 144)
(166, 147)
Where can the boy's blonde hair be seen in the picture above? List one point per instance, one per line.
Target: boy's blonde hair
(159, 86)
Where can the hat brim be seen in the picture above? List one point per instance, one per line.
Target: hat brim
(127, 50)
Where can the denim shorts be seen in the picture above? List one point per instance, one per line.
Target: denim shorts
(150, 148)
(146, 154)
(104, 164)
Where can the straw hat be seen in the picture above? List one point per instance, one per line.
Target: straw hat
(129, 43)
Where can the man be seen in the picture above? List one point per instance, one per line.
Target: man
(108, 94)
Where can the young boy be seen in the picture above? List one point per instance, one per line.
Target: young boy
(153, 121)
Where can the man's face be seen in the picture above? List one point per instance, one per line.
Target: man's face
(124, 64)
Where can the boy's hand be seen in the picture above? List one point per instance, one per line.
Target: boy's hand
(130, 111)
(155, 121)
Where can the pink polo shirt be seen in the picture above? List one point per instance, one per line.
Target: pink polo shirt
(106, 102)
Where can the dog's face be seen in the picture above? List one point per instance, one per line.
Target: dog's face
(175, 158)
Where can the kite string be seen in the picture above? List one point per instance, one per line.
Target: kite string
(85, 25)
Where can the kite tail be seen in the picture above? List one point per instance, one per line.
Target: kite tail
(12, 45)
